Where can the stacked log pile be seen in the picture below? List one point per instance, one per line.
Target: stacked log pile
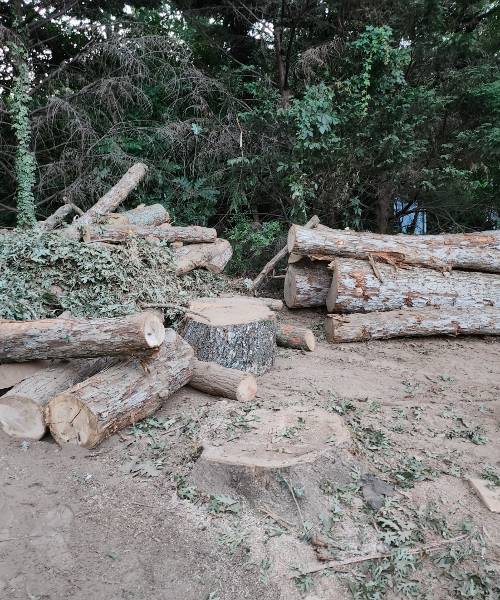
(396, 285)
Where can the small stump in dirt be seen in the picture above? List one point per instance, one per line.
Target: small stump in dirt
(232, 333)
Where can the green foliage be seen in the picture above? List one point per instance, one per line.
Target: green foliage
(253, 244)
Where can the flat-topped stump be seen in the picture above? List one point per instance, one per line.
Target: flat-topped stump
(233, 333)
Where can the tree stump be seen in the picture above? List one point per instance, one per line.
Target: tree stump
(232, 333)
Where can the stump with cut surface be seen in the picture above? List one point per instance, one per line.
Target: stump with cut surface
(307, 284)
(232, 333)
(92, 410)
(215, 380)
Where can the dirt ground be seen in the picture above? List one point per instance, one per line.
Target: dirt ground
(143, 516)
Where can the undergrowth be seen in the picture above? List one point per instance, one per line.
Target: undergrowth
(42, 275)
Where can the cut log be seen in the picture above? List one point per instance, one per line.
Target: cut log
(151, 215)
(57, 218)
(22, 409)
(213, 257)
(123, 233)
(13, 373)
(299, 338)
(257, 282)
(233, 333)
(471, 251)
(215, 380)
(356, 287)
(96, 408)
(79, 338)
(307, 284)
(412, 322)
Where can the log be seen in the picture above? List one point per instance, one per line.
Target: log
(213, 257)
(57, 218)
(299, 338)
(123, 233)
(94, 409)
(412, 322)
(233, 333)
(470, 251)
(307, 284)
(268, 267)
(215, 380)
(13, 373)
(22, 409)
(152, 215)
(356, 287)
(79, 338)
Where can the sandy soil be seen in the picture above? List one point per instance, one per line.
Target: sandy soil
(142, 517)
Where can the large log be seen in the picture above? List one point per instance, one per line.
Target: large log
(22, 409)
(152, 215)
(411, 322)
(268, 267)
(79, 338)
(96, 408)
(124, 233)
(292, 336)
(215, 380)
(233, 333)
(213, 257)
(307, 284)
(472, 251)
(358, 287)
(13, 373)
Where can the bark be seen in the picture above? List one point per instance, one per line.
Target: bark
(215, 380)
(123, 233)
(307, 284)
(213, 257)
(357, 287)
(234, 334)
(412, 322)
(96, 408)
(22, 408)
(13, 373)
(151, 215)
(57, 218)
(257, 282)
(299, 338)
(110, 201)
(79, 338)
(474, 251)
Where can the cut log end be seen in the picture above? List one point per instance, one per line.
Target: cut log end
(154, 332)
(22, 418)
(71, 422)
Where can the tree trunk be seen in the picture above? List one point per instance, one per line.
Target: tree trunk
(299, 338)
(213, 257)
(215, 380)
(234, 333)
(257, 282)
(57, 218)
(93, 410)
(123, 233)
(412, 322)
(13, 373)
(474, 251)
(79, 338)
(307, 284)
(22, 409)
(110, 201)
(358, 287)
(151, 215)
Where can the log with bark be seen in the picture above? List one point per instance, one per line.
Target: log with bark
(57, 218)
(79, 338)
(109, 202)
(13, 373)
(307, 284)
(215, 380)
(257, 282)
(471, 251)
(412, 322)
(292, 336)
(150, 215)
(123, 233)
(22, 409)
(213, 257)
(96, 408)
(233, 333)
(358, 287)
